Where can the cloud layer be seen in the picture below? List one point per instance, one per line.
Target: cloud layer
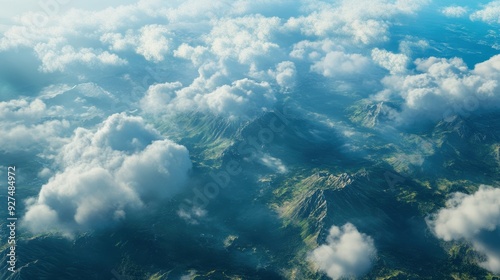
(474, 218)
(234, 59)
(440, 88)
(347, 253)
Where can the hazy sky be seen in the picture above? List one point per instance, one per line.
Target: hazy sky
(11, 9)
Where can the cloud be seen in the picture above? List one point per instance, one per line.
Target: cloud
(152, 41)
(314, 50)
(32, 137)
(348, 253)
(81, 102)
(489, 14)
(239, 51)
(273, 163)
(238, 59)
(238, 64)
(56, 56)
(153, 44)
(244, 38)
(285, 74)
(197, 55)
(454, 11)
(474, 218)
(361, 21)
(395, 63)
(331, 59)
(229, 30)
(22, 109)
(79, 199)
(489, 69)
(337, 63)
(43, 123)
(408, 45)
(158, 97)
(77, 36)
(105, 174)
(443, 87)
(242, 98)
(29, 125)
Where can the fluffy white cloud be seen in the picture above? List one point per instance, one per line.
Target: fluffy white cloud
(238, 63)
(79, 199)
(244, 38)
(337, 63)
(22, 109)
(159, 171)
(408, 45)
(395, 63)
(106, 173)
(222, 28)
(158, 97)
(331, 59)
(78, 36)
(151, 41)
(285, 74)
(444, 87)
(197, 54)
(235, 49)
(490, 13)
(489, 68)
(474, 218)
(43, 123)
(243, 98)
(313, 50)
(118, 41)
(362, 21)
(454, 11)
(122, 133)
(348, 253)
(56, 56)
(153, 44)
(26, 137)
(29, 125)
